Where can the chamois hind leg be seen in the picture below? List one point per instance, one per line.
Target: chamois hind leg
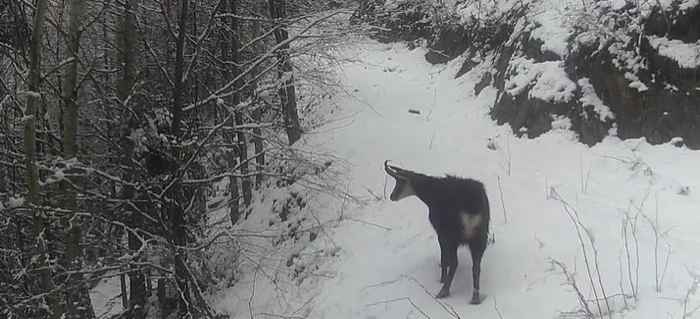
(451, 260)
(477, 250)
(444, 263)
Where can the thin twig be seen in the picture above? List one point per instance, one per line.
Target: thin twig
(503, 204)
(495, 306)
(384, 302)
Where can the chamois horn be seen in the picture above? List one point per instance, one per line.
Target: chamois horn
(391, 170)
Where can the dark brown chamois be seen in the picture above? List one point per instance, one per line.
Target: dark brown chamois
(458, 210)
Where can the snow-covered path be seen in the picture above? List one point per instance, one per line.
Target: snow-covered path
(387, 266)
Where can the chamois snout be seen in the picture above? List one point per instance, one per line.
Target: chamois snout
(398, 190)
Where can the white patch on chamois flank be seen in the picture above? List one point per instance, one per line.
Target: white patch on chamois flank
(469, 224)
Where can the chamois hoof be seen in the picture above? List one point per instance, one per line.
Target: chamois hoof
(476, 299)
(442, 294)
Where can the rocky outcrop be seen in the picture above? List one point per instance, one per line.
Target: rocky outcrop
(670, 105)
(628, 84)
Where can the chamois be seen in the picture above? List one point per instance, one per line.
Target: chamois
(458, 210)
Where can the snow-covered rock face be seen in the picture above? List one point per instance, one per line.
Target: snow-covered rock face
(611, 64)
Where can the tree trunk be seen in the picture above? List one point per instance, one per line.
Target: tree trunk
(177, 217)
(234, 209)
(45, 280)
(237, 87)
(77, 295)
(136, 302)
(257, 112)
(232, 150)
(125, 295)
(287, 91)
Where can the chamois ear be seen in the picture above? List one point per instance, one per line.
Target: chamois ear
(393, 171)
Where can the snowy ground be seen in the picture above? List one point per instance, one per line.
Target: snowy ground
(386, 265)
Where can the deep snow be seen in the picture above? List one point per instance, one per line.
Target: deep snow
(381, 259)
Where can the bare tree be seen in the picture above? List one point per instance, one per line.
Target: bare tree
(177, 218)
(229, 55)
(30, 118)
(287, 91)
(257, 111)
(238, 87)
(77, 297)
(127, 40)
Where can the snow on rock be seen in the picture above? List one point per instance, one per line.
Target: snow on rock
(676, 141)
(687, 55)
(590, 98)
(636, 83)
(561, 123)
(688, 4)
(613, 130)
(552, 33)
(630, 63)
(551, 84)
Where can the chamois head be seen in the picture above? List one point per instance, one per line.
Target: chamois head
(403, 187)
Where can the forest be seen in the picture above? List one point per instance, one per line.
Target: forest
(121, 119)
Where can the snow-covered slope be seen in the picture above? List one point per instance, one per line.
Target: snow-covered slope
(380, 258)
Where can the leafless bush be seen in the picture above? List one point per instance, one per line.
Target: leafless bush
(591, 265)
(586, 178)
(658, 235)
(629, 227)
(503, 203)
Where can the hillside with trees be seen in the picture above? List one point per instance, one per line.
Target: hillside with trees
(122, 120)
